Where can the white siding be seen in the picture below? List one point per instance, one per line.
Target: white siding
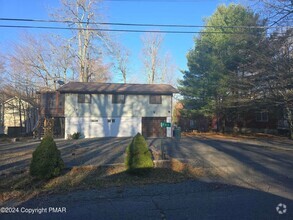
(95, 119)
(101, 106)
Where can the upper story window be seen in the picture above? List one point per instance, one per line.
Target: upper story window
(61, 101)
(155, 99)
(262, 116)
(51, 100)
(84, 98)
(118, 99)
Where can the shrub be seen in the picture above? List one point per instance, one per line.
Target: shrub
(76, 135)
(3, 136)
(138, 157)
(46, 162)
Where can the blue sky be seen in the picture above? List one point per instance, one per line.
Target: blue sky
(157, 12)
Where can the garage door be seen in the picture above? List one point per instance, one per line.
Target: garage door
(103, 127)
(151, 127)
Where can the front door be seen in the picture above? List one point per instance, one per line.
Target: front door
(151, 127)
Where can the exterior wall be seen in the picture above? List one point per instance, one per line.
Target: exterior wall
(101, 118)
(101, 106)
(12, 115)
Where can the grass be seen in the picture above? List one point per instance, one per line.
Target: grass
(21, 187)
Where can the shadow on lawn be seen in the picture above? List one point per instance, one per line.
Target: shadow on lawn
(23, 187)
(113, 185)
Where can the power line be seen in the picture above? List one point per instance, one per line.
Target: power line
(120, 30)
(138, 24)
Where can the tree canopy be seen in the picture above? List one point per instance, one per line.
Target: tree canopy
(216, 61)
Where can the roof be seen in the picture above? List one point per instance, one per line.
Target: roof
(21, 98)
(117, 88)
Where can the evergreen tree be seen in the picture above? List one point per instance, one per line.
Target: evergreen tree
(217, 81)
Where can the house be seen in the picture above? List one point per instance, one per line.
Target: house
(117, 110)
(189, 121)
(18, 116)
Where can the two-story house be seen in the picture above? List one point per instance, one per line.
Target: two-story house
(117, 110)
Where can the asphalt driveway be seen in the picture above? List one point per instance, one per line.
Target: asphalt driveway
(261, 165)
(16, 157)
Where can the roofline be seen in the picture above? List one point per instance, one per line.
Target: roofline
(16, 97)
(126, 93)
(42, 92)
(119, 92)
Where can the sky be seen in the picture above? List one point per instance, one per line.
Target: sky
(186, 12)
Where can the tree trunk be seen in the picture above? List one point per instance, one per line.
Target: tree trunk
(20, 115)
(290, 121)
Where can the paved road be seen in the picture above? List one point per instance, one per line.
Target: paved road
(238, 162)
(187, 200)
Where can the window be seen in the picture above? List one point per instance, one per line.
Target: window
(155, 99)
(262, 116)
(51, 100)
(118, 99)
(84, 98)
(61, 100)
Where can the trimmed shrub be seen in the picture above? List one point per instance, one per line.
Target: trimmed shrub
(138, 157)
(46, 162)
(76, 135)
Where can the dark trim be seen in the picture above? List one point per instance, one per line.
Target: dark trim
(114, 93)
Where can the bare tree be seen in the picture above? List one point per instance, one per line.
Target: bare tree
(90, 44)
(99, 72)
(121, 54)
(277, 11)
(152, 43)
(160, 68)
(41, 61)
(2, 70)
(168, 69)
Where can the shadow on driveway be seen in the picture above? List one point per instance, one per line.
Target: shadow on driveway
(240, 163)
(16, 157)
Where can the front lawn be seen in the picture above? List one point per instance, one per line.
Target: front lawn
(21, 186)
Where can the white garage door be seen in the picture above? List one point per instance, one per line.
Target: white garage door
(103, 127)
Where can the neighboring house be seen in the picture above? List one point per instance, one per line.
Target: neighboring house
(189, 122)
(51, 106)
(254, 119)
(19, 116)
(117, 110)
